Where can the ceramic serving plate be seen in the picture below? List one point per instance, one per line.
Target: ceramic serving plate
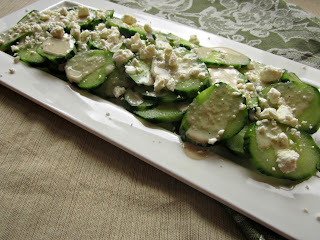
(290, 210)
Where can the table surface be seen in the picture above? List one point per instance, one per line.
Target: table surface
(59, 181)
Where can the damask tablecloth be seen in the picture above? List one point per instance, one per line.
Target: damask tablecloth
(275, 26)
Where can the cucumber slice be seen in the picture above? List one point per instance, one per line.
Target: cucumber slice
(139, 71)
(133, 101)
(9, 40)
(217, 113)
(185, 75)
(116, 79)
(31, 57)
(237, 80)
(85, 22)
(303, 99)
(89, 69)
(220, 56)
(126, 29)
(177, 41)
(31, 17)
(161, 96)
(235, 143)
(290, 76)
(57, 50)
(163, 113)
(277, 150)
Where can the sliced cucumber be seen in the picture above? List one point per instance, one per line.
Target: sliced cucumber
(126, 29)
(219, 56)
(215, 114)
(116, 79)
(133, 101)
(58, 50)
(161, 96)
(31, 17)
(301, 98)
(237, 80)
(290, 76)
(235, 143)
(139, 71)
(163, 113)
(85, 22)
(31, 57)
(277, 150)
(11, 39)
(177, 41)
(89, 69)
(186, 75)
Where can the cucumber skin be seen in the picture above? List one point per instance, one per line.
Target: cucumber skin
(184, 126)
(315, 125)
(248, 145)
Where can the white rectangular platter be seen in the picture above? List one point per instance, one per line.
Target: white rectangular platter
(279, 208)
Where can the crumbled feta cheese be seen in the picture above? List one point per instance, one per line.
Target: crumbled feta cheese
(287, 160)
(274, 96)
(285, 115)
(148, 53)
(12, 70)
(147, 28)
(64, 11)
(122, 56)
(15, 48)
(83, 12)
(270, 74)
(118, 91)
(128, 19)
(242, 106)
(212, 141)
(57, 32)
(16, 59)
(268, 113)
(194, 39)
(135, 43)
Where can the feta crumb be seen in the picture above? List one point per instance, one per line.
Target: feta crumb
(147, 28)
(270, 74)
(285, 115)
(83, 12)
(118, 91)
(16, 59)
(242, 106)
(128, 19)
(274, 96)
(57, 32)
(221, 132)
(306, 210)
(15, 48)
(122, 56)
(287, 160)
(63, 12)
(194, 39)
(12, 70)
(212, 141)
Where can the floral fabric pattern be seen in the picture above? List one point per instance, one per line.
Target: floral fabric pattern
(271, 25)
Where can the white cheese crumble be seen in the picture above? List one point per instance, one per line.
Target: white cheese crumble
(121, 57)
(118, 91)
(83, 12)
(287, 160)
(128, 19)
(194, 39)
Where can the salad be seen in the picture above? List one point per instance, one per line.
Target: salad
(209, 96)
